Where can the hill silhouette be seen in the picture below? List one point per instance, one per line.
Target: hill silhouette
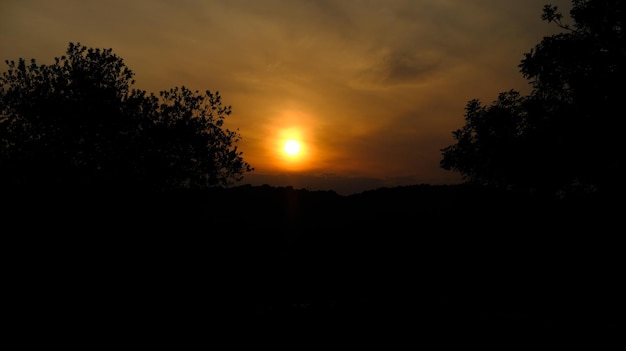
(285, 264)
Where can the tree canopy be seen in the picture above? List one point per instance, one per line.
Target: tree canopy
(77, 123)
(566, 135)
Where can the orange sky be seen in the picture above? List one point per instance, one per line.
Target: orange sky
(371, 89)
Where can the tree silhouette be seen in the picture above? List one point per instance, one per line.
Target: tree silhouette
(566, 135)
(78, 124)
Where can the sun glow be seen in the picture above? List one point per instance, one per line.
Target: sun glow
(292, 147)
(290, 144)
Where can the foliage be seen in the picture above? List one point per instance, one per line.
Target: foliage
(78, 124)
(566, 135)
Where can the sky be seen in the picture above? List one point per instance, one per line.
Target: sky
(371, 89)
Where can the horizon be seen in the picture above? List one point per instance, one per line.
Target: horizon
(342, 185)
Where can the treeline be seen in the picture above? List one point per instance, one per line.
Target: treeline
(283, 263)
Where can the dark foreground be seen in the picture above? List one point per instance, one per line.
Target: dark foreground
(418, 266)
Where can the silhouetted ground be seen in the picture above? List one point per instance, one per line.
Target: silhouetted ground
(453, 265)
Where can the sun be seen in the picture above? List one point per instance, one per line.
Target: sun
(292, 147)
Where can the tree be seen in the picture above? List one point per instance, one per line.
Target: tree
(565, 136)
(78, 124)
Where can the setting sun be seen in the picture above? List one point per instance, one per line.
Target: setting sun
(292, 147)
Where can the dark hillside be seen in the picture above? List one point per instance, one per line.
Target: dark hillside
(420, 261)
